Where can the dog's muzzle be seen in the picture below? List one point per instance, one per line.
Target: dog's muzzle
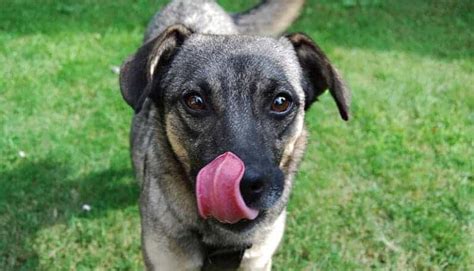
(229, 191)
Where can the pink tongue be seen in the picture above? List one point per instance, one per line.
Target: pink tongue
(218, 190)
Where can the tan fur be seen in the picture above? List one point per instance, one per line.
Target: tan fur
(173, 138)
(290, 145)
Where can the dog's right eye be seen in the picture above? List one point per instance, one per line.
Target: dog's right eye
(195, 101)
(281, 104)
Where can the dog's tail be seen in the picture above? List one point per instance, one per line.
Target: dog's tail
(270, 17)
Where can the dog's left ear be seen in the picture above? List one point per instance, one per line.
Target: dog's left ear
(320, 74)
(139, 70)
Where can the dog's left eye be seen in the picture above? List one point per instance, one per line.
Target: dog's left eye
(195, 101)
(281, 103)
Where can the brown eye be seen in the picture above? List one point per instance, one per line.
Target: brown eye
(195, 102)
(281, 103)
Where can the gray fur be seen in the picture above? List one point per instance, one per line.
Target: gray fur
(169, 145)
(271, 17)
(202, 16)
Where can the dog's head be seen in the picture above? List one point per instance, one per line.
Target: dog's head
(240, 99)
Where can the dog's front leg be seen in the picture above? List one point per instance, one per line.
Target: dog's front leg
(259, 257)
(164, 254)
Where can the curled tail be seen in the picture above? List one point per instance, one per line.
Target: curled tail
(270, 17)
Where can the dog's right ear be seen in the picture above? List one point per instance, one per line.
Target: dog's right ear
(139, 70)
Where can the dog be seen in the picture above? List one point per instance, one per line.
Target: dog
(218, 130)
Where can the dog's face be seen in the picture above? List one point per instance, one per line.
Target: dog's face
(238, 94)
(230, 94)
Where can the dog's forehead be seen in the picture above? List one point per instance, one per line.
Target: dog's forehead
(252, 54)
(234, 43)
(221, 47)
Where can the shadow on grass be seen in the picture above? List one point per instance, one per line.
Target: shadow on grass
(429, 28)
(35, 195)
(437, 29)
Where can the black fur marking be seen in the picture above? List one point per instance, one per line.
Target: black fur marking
(223, 258)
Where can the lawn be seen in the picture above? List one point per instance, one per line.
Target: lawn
(393, 189)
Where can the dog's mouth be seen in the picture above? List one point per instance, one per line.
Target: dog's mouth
(242, 225)
(218, 191)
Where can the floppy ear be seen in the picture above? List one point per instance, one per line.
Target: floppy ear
(138, 71)
(320, 74)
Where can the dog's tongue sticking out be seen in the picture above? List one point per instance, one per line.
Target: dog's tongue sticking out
(218, 190)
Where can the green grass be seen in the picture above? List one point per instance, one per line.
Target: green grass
(393, 189)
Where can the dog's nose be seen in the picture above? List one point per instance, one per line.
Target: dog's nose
(252, 186)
